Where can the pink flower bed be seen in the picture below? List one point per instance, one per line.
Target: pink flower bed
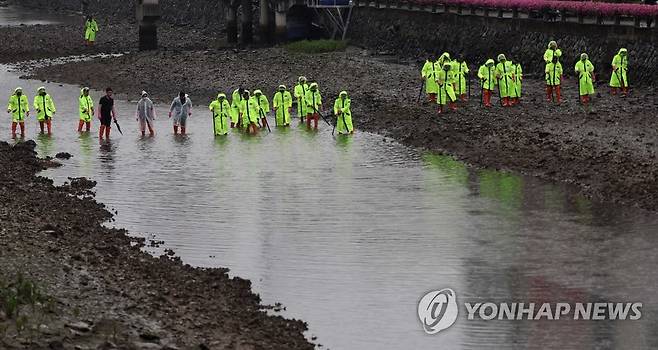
(584, 7)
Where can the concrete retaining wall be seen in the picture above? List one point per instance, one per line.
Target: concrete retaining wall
(415, 34)
(199, 13)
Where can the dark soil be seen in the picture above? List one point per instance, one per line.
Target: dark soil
(107, 293)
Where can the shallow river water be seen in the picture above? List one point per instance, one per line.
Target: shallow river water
(349, 233)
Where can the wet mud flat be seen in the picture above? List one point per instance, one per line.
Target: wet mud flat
(96, 288)
(610, 154)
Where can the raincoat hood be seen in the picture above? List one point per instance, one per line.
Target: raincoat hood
(302, 79)
(41, 88)
(622, 50)
(501, 57)
(258, 92)
(490, 62)
(314, 86)
(552, 44)
(18, 89)
(221, 95)
(343, 93)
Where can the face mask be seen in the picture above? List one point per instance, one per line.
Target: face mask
(42, 93)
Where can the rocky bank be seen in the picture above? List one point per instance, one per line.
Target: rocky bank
(98, 290)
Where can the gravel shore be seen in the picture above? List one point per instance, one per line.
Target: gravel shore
(99, 290)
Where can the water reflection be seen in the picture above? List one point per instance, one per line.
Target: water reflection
(44, 144)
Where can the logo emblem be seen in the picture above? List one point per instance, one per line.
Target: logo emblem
(437, 310)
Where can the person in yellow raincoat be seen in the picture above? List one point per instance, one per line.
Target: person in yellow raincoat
(506, 79)
(236, 107)
(343, 112)
(221, 113)
(45, 108)
(553, 73)
(282, 103)
(300, 95)
(86, 107)
(428, 74)
(487, 75)
(461, 76)
(250, 112)
(313, 105)
(19, 108)
(263, 106)
(518, 76)
(619, 76)
(446, 94)
(586, 78)
(91, 28)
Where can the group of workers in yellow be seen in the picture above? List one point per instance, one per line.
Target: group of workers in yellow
(245, 111)
(19, 108)
(447, 80)
(444, 80)
(249, 111)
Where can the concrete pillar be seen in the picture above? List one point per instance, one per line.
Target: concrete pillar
(148, 14)
(280, 21)
(247, 22)
(264, 22)
(148, 36)
(231, 25)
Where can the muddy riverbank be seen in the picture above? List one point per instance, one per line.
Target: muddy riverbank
(609, 154)
(26, 43)
(101, 290)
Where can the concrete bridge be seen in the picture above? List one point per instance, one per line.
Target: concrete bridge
(273, 17)
(335, 12)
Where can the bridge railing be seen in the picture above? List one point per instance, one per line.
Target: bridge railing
(613, 14)
(328, 3)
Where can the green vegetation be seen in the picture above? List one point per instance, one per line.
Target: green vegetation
(316, 46)
(15, 296)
